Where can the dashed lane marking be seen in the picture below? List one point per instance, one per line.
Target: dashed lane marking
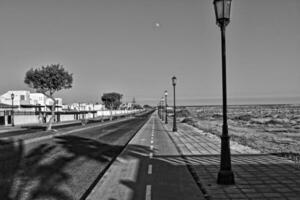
(149, 169)
(151, 155)
(148, 192)
(151, 147)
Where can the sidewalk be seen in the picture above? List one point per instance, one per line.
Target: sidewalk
(149, 168)
(257, 176)
(6, 129)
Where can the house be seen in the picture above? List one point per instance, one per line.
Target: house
(16, 98)
(86, 107)
(23, 100)
(58, 103)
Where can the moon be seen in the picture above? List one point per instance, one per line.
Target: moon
(156, 25)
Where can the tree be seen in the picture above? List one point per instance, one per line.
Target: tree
(112, 100)
(137, 106)
(146, 106)
(48, 80)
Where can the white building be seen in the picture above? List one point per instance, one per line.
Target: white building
(38, 99)
(58, 103)
(23, 98)
(86, 107)
(99, 107)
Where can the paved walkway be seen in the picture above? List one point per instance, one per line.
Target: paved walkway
(149, 168)
(6, 129)
(257, 176)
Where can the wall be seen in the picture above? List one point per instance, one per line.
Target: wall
(26, 119)
(30, 117)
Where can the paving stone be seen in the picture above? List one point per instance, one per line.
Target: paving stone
(257, 176)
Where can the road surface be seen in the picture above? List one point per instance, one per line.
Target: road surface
(63, 167)
(150, 168)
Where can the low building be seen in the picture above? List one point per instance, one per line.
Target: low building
(86, 107)
(23, 100)
(20, 97)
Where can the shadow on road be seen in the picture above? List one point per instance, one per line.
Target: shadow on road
(30, 176)
(168, 178)
(59, 169)
(92, 149)
(43, 173)
(256, 176)
(10, 159)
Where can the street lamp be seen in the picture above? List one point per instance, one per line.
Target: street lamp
(166, 107)
(225, 175)
(174, 80)
(158, 109)
(162, 101)
(12, 109)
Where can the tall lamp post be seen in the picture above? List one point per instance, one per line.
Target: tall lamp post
(225, 175)
(166, 107)
(12, 109)
(158, 109)
(162, 102)
(174, 80)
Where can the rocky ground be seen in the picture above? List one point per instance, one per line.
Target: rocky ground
(266, 128)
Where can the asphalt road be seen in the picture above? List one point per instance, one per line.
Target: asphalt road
(150, 168)
(63, 167)
(17, 132)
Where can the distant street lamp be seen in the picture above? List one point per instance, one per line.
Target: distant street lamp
(174, 80)
(225, 175)
(12, 109)
(158, 109)
(162, 101)
(166, 107)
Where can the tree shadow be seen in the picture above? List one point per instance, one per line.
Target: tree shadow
(10, 159)
(33, 177)
(168, 179)
(90, 148)
(55, 169)
(257, 176)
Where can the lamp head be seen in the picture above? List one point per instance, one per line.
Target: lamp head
(222, 11)
(174, 80)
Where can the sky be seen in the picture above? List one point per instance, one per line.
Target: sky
(134, 47)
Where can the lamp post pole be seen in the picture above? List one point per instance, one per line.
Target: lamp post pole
(225, 175)
(174, 106)
(162, 101)
(159, 109)
(166, 107)
(12, 110)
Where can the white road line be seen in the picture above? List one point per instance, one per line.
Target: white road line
(151, 141)
(148, 192)
(151, 147)
(149, 169)
(151, 155)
